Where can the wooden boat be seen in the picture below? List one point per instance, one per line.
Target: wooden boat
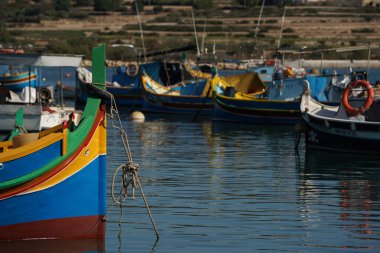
(187, 98)
(279, 104)
(126, 85)
(37, 102)
(53, 183)
(352, 126)
(16, 81)
(265, 72)
(195, 96)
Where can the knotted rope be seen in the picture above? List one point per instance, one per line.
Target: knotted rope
(129, 169)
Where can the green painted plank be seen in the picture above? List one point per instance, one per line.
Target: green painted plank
(99, 65)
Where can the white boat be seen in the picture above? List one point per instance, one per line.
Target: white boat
(39, 111)
(352, 126)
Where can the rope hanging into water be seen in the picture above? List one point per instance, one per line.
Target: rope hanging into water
(129, 169)
(300, 129)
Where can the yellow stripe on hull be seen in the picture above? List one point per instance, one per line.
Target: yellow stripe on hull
(94, 149)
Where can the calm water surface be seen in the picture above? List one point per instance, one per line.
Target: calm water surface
(217, 187)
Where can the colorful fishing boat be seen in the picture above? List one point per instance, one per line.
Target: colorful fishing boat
(352, 126)
(53, 183)
(126, 84)
(195, 96)
(187, 98)
(279, 104)
(16, 81)
(16, 78)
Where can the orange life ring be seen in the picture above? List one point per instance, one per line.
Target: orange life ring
(132, 69)
(353, 111)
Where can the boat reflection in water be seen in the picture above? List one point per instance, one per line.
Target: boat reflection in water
(349, 184)
(58, 246)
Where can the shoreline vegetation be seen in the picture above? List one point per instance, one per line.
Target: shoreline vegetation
(233, 27)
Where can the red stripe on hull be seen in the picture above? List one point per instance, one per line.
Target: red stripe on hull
(66, 228)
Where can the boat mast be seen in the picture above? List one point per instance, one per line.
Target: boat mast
(369, 58)
(203, 38)
(258, 23)
(195, 33)
(141, 32)
(282, 26)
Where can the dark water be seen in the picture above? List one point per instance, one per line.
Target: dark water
(218, 187)
(232, 188)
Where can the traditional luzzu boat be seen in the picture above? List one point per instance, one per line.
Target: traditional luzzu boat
(16, 81)
(188, 98)
(53, 183)
(353, 126)
(126, 85)
(274, 104)
(193, 97)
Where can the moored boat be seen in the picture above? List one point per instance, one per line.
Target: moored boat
(52, 183)
(352, 126)
(279, 104)
(195, 96)
(40, 109)
(126, 84)
(188, 98)
(16, 81)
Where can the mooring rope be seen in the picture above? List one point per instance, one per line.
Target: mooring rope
(129, 168)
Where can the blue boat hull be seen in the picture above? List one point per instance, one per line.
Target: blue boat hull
(341, 136)
(17, 82)
(186, 105)
(262, 112)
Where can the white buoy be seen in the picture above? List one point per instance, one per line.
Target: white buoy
(137, 116)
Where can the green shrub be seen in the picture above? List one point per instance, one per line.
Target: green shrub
(84, 2)
(62, 5)
(288, 30)
(202, 4)
(107, 5)
(364, 30)
(158, 9)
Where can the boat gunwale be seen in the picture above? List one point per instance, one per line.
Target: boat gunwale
(309, 113)
(146, 89)
(42, 142)
(23, 187)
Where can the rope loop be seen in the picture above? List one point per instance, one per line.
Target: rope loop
(128, 177)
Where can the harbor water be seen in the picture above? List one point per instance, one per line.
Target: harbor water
(217, 187)
(222, 187)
